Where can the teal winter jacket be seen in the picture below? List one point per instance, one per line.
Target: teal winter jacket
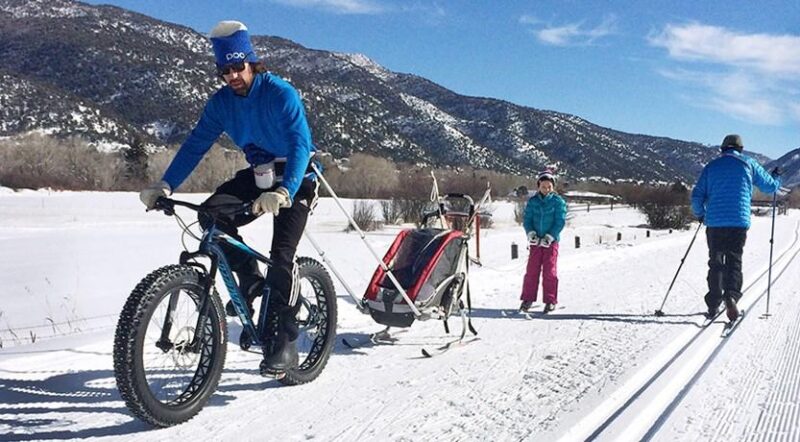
(545, 215)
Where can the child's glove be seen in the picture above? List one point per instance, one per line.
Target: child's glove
(546, 241)
(532, 238)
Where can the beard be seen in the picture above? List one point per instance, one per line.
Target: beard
(240, 87)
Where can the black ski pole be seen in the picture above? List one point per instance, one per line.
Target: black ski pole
(771, 243)
(660, 312)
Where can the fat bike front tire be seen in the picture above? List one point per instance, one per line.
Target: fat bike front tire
(163, 379)
(317, 320)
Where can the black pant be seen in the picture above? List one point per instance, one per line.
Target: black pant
(725, 246)
(288, 227)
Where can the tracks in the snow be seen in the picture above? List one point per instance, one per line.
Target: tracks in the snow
(641, 405)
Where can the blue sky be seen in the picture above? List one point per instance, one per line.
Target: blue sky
(691, 70)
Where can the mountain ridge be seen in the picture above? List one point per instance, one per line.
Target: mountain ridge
(139, 78)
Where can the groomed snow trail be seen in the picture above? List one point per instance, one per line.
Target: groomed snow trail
(524, 379)
(638, 409)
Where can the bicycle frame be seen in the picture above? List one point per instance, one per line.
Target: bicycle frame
(209, 247)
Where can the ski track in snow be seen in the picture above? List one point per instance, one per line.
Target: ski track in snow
(763, 404)
(524, 379)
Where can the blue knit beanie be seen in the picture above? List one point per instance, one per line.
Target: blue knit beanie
(231, 43)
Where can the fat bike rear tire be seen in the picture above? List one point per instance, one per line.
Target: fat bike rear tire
(317, 320)
(164, 380)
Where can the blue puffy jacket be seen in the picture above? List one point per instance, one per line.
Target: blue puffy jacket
(268, 123)
(723, 192)
(545, 215)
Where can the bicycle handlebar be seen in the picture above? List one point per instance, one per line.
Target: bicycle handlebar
(167, 205)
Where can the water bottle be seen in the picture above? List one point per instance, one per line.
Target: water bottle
(265, 175)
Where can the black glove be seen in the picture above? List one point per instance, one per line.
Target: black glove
(700, 219)
(777, 171)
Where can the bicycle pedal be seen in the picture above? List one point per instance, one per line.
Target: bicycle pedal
(272, 374)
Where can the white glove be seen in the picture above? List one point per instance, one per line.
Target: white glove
(271, 202)
(532, 238)
(151, 193)
(546, 241)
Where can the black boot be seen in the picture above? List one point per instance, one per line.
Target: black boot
(280, 356)
(712, 302)
(731, 309)
(280, 341)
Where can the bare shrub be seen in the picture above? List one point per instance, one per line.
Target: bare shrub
(375, 177)
(474, 182)
(35, 161)
(794, 198)
(519, 210)
(363, 176)
(415, 183)
(364, 216)
(367, 176)
(412, 210)
(335, 177)
(390, 210)
(666, 207)
(218, 165)
(661, 216)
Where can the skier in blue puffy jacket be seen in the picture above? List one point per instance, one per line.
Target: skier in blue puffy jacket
(721, 200)
(264, 116)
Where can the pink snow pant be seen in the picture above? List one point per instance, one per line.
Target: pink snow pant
(541, 259)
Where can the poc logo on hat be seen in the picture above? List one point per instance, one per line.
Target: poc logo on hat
(235, 56)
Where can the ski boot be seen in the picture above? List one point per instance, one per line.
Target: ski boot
(711, 313)
(525, 306)
(731, 309)
(548, 308)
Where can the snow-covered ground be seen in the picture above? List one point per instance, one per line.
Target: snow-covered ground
(69, 260)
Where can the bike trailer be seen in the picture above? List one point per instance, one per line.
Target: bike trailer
(428, 263)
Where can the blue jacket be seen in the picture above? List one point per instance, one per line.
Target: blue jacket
(268, 123)
(545, 215)
(723, 192)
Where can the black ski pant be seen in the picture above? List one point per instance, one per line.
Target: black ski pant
(725, 247)
(288, 226)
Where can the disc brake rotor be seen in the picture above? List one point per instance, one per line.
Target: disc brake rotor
(182, 354)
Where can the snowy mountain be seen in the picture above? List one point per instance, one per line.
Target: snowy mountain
(113, 75)
(791, 167)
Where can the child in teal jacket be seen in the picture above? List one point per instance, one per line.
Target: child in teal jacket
(545, 216)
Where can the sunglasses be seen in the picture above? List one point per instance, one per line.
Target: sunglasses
(233, 67)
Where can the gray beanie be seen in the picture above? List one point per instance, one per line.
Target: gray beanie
(732, 141)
